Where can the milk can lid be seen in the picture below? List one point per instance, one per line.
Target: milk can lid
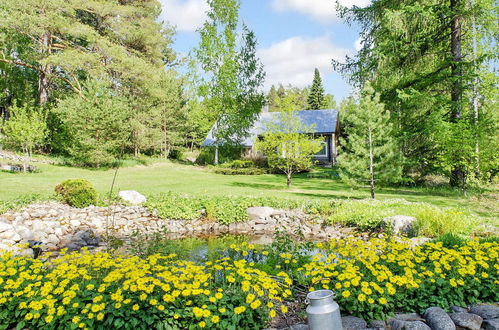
(320, 294)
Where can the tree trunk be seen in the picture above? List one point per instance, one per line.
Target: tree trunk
(289, 179)
(43, 80)
(215, 160)
(457, 173)
(475, 97)
(371, 167)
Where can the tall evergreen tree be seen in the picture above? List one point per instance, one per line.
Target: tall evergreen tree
(316, 98)
(369, 153)
(418, 58)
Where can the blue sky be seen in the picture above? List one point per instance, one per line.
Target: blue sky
(295, 36)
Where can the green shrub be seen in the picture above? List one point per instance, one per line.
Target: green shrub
(433, 221)
(238, 164)
(77, 192)
(175, 206)
(239, 171)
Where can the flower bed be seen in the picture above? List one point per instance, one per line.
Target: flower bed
(244, 287)
(83, 290)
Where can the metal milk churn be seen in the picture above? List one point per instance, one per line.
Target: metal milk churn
(323, 312)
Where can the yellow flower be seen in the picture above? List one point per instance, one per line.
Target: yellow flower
(272, 313)
(100, 316)
(239, 310)
(383, 301)
(345, 294)
(222, 310)
(284, 309)
(202, 324)
(215, 319)
(49, 318)
(361, 297)
(76, 319)
(135, 307)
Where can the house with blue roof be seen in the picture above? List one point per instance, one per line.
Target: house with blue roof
(323, 123)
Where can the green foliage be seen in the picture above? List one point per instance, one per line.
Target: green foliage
(316, 98)
(175, 206)
(437, 86)
(234, 74)
(26, 129)
(240, 171)
(433, 221)
(77, 193)
(369, 153)
(289, 145)
(18, 202)
(236, 164)
(97, 124)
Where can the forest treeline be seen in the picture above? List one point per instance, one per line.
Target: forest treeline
(103, 79)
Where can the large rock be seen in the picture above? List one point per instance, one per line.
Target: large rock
(83, 238)
(467, 320)
(400, 224)
(492, 324)
(438, 319)
(353, 323)
(409, 325)
(486, 312)
(132, 197)
(259, 212)
(5, 227)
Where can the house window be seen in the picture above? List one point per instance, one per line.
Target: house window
(323, 151)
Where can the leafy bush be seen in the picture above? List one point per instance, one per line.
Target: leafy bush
(175, 206)
(433, 221)
(240, 171)
(77, 192)
(238, 164)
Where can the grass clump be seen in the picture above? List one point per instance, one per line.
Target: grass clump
(17, 203)
(77, 193)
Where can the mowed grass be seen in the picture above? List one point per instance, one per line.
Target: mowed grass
(163, 176)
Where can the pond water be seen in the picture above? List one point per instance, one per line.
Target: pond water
(208, 248)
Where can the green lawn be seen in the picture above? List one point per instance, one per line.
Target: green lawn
(167, 176)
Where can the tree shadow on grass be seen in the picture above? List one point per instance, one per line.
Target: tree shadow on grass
(328, 196)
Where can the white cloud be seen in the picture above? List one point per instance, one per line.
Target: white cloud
(358, 44)
(292, 61)
(323, 10)
(187, 15)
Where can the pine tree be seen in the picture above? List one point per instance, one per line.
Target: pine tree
(369, 152)
(316, 98)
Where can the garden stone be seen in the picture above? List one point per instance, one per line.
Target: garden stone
(457, 309)
(353, 323)
(400, 223)
(486, 312)
(5, 227)
(466, 320)
(409, 325)
(492, 324)
(299, 326)
(133, 197)
(259, 212)
(10, 236)
(438, 319)
(378, 325)
(409, 317)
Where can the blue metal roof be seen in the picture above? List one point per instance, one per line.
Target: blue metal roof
(321, 122)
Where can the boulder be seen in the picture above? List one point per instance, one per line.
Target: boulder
(409, 325)
(5, 227)
(457, 309)
(353, 323)
(486, 312)
(400, 224)
(133, 197)
(299, 326)
(259, 212)
(467, 320)
(492, 324)
(378, 325)
(438, 319)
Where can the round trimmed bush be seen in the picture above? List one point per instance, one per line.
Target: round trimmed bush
(77, 192)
